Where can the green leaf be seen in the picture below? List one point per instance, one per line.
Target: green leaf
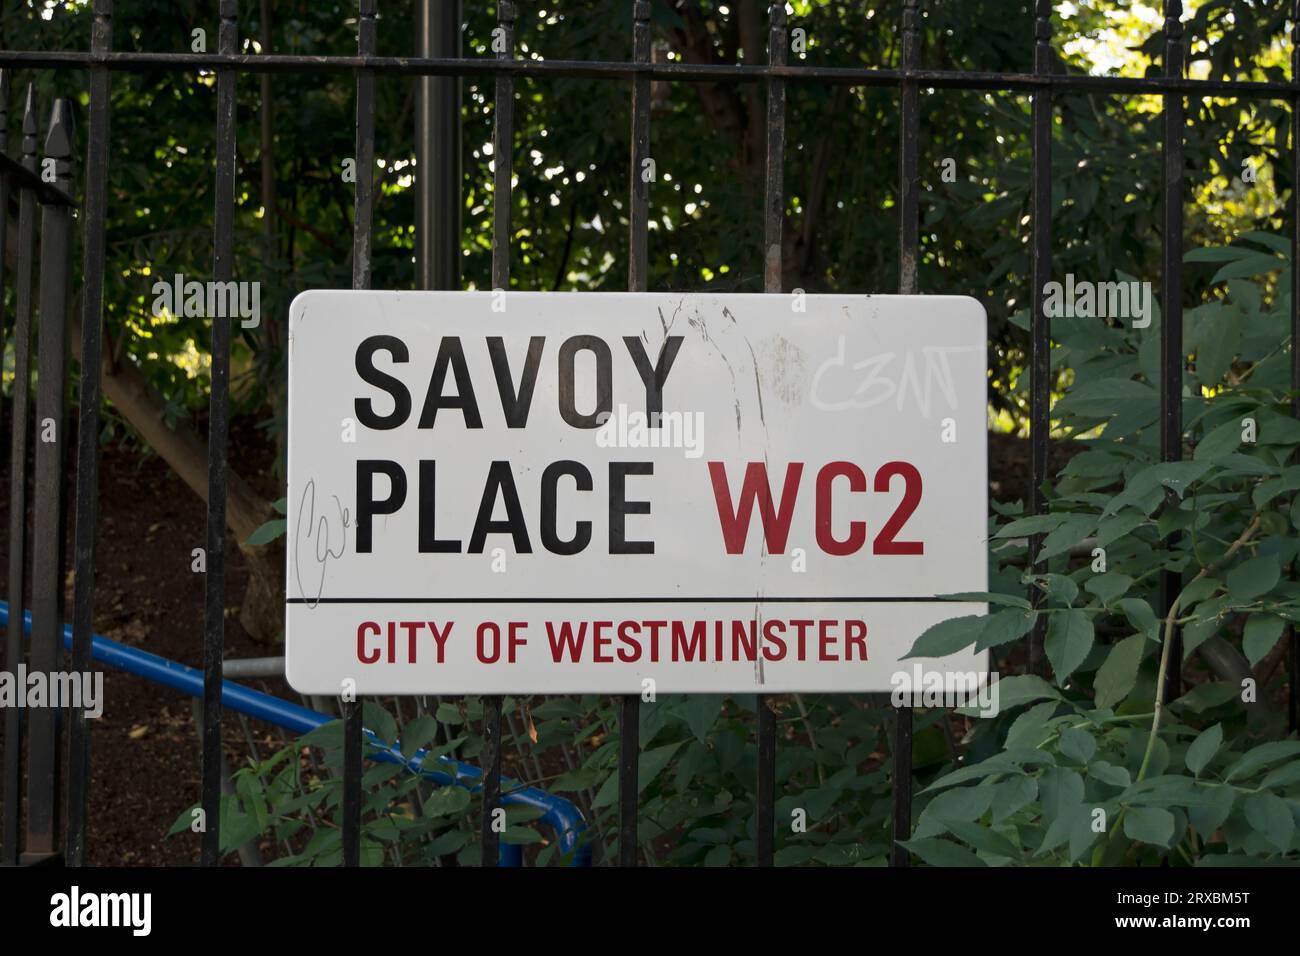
(1279, 244)
(1279, 430)
(1118, 673)
(1030, 728)
(1209, 816)
(984, 839)
(1149, 825)
(1069, 640)
(718, 856)
(1062, 797)
(1078, 745)
(1218, 346)
(1166, 790)
(1034, 524)
(1140, 615)
(1261, 635)
(1266, 491)
(1102, 397)
(1109, 773)
(1007, 625)
(1061, 588)
(1008, 761)
(959, 803)
(1140, 490)
(700, 711)
(447, 843)
(1108, 586)
(1200, 590)
(267, 532)
(1207, 696)
(447, 802)
(1222, 441)
(1218, 254)
(449, 714)
(937, 852)
(1259, 263)
(988, 597)
(1253, 578)
(1113, 528)
(417, 733)
(379, 721)
(521, 835)
(1069, 533)
(184, 821)
(1260, 757)
(1271, 817)
(1203, 748)
(1022, 689)
(1283, 776)
(1010, 795)
(653, 761)
(947, 637)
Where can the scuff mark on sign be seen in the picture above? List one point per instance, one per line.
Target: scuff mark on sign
(700, 324)
(787, 366)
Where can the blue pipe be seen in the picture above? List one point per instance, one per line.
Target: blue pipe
(557, 813)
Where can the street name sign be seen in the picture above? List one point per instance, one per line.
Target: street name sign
(517, 492)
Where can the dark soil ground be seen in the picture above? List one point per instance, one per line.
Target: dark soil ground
(145, 766)
(144, 749)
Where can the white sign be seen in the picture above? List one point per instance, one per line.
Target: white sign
(603, 492)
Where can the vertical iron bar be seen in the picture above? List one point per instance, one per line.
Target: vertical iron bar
(1040, 335)
(502, 168)
(489, 836)
(503, 150)
(909, 222)
(364, 199)
(629, 756)
(214, 610)
(92, 301)
(437, 150)
(14, 652)
(48, 499)
(629, 721)
(1171, 325)
(773, 222)
(363, 216)
(639, 199)
(1293, 650)
(4, 201)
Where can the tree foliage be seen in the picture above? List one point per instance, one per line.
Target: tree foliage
(1211, 778)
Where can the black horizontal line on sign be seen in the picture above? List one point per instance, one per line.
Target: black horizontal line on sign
(763, 599)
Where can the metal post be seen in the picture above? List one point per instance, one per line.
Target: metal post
(14, 651)
(214, 608)
(1040, 345)
(92, 316)
(4, 197)
(363, 216)
(1171, 319)
(773, 223)
(908, 254)
(502, 148)
(437, 150)
(629, 721)
(43, 777)
(1293, 651)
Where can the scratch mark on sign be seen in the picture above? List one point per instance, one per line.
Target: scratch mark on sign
(700, 324)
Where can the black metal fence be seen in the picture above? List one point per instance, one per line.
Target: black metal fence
(43, 795)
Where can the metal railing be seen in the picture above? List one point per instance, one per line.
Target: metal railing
(1043, 83)
(563, 818)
